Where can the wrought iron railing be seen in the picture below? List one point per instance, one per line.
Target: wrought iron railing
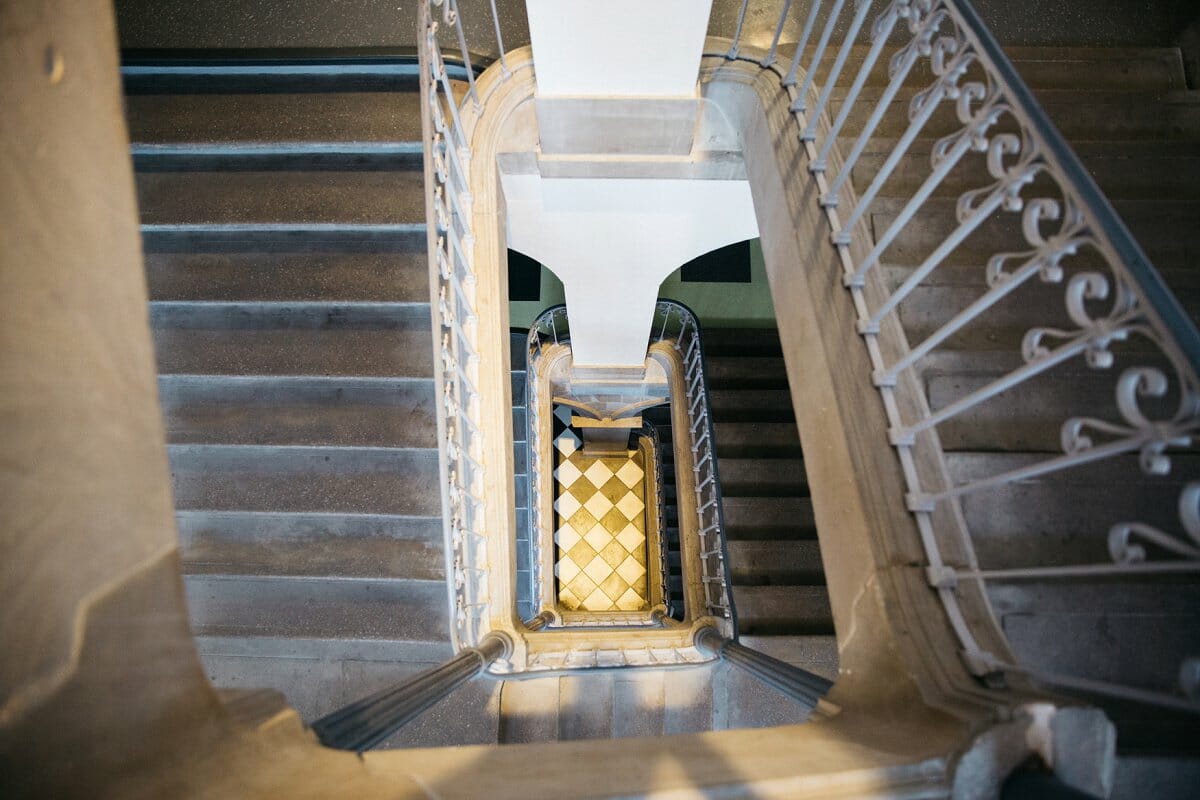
(650, 432)
(1115, 306)
(546, 329)
(676, 324)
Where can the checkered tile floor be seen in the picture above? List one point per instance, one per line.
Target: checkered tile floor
(601, 538)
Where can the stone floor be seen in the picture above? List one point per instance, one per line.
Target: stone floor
(601, 551)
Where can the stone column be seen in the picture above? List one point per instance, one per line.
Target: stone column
(371, 720)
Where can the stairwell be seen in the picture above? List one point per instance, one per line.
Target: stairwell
(284, 229)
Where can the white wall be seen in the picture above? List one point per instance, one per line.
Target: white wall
(613, 241)
(617, 48)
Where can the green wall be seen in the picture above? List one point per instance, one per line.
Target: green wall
(719, 305)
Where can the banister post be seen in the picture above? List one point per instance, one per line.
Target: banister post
(539, 622)
(367, 722)
(806, 688)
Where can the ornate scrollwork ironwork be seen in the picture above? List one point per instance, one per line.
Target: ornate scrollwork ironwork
(1123, 544)
(950, 59)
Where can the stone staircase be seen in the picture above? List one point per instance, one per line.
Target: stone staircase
(1137, 130)
(284, 225)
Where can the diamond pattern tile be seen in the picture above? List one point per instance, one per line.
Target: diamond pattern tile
(630, 538)
(566, 536)
(630, 474)
(631, 570)
(566, 570)
(567, 443)
(566, 505)
(598, 537)
(564, 414)
(631, 505)
(598, 473)
(598, 505)
(567, 474)
(601, 539)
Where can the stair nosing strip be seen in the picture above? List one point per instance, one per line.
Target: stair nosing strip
(297, 447)
(341, 69)
(382, 380)
(363, 515)
(279, 578)
(277, 305)
(296, 148)
(283, 227)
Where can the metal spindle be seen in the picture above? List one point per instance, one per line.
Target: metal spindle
(769, 59)
(880, 33)
(864, 137)
(839, 63)
(910, 209)
(801, 101)
(737, 34)
(842, 236)
(456, 20)
(505, 72)
(809, 22)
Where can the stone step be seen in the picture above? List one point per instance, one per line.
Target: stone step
(349, 480)
(1172, 115)
(1064, 517)
(758, 518)
(774, 563)
(220, 409)
(381, 610)
(746, 440)
(363, 339)
(320, 676)
(607, 704)
(640, 702)
(765, 405)
(1028, 417)
(741, 342)
(1163, 228)
(757, 439)
(234, 112)
(394, 270)
(1162, 777)
(815, 653)
(751, 372)
(1111, 69)
(585, 706)
(1003, 326)
(313, 189)
(762, 477)
(743, 701)
(1123, 169)
(793, 610)
(1133, 631)
(379, 546)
